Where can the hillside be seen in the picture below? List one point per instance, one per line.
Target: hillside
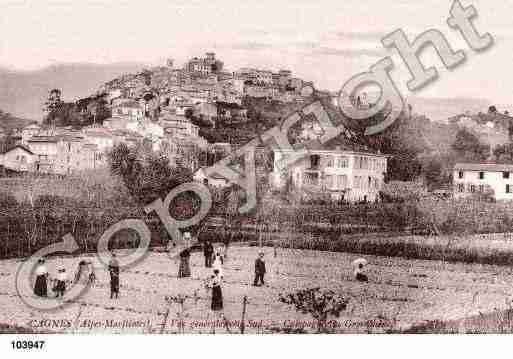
(8, 121)
(23, 92)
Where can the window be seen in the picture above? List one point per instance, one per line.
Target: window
(505, 175)
(461, 187)
(342, 162)
(330, 161)
(481, 175)
(366, 163)
(508, 188)
(328, 181)
(472, 188)
(314, 161)
(481, 188)
(341, 181)
(311, 178)
(357, 182)
(460, 174)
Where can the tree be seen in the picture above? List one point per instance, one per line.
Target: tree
(147, 175)
(54, 100)
(434, 173)
(398, 191)
(319, 303)
(468, 147)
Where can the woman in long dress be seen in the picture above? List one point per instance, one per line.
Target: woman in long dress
(80, 271)
(217, 294)
(41, 285)
(184, 269)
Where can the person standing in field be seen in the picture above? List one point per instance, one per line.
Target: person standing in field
(114, 276)
(41, 285)
(92, 275)
(60, 285)
(217, 294)
(208, 252)
(184, 270)
(259, 270)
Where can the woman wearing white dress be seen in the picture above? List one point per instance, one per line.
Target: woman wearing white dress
(218, 263)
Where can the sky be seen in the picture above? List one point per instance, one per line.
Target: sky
(324, 41)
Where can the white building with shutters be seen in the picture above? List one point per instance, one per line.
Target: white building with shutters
(345, 174)
(472, 178)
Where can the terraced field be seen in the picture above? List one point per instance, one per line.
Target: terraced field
(400, 293)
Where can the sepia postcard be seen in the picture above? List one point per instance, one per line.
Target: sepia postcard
(266, 167)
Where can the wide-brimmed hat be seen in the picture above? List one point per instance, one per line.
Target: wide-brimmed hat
(360, 262)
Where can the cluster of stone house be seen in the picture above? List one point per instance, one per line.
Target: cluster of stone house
(58, 153)
(203, 80)
(66, 151)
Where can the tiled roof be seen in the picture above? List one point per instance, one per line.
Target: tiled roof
(489, 167)
(25, 148)
(53, 139)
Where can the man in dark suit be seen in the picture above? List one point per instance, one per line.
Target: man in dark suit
(208, 252)
(259, 270)
(114, 277)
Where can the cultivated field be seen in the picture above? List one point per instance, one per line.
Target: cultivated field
(400, 293)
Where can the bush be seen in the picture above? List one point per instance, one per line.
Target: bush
(7, 200)
(48, 200)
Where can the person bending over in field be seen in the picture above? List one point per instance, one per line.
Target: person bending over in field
(359, 275)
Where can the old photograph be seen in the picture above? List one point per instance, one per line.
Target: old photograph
(267, 167)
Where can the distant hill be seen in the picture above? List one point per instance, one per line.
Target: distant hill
(23, 93)
(8, 121)
(440, 109)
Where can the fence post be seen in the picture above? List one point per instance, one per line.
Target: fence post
(76, 322)
(242, 323)
(164, 323)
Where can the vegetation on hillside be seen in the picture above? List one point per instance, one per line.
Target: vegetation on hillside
(9, 122)
(84, 112)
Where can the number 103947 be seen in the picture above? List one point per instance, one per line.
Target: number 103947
(27, 344)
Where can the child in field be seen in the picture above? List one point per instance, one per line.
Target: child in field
(184, 270)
